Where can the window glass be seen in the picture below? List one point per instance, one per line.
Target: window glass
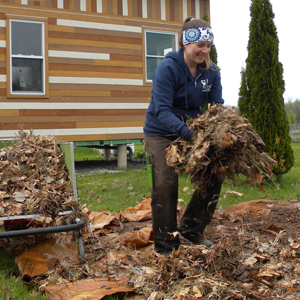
(158, 44)
(27, 38)
(27, 74)
(152, 63)
(27, 61)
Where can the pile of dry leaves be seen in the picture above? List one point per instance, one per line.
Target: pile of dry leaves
(226, 144)
(256, 256)
(34, 178)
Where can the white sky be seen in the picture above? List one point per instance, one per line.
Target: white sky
(230, 23)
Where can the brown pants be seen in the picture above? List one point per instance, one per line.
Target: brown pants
(164, 195)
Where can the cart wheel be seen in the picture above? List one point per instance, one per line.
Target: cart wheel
(130, 153)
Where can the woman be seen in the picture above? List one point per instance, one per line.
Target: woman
(182, 82)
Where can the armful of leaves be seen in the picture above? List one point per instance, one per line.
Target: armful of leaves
(226, 144)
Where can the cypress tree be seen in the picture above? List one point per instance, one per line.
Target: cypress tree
(213, 57)
(262, 87)
(213, 54)
(213, 51)
(243, 95)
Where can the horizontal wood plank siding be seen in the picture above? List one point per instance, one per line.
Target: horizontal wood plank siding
(93, 49)
(78, 42)
(73, 118)
(100, 87)
(204, 8)
(105, 70)
(135, 8)
(95, 66)
(189, 8)
(98, 99)
(38, 125)
(193, 8)
(66, 4)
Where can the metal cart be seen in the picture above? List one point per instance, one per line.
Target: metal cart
(68, 150)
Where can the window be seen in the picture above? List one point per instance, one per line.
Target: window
(157, 45)
(27, 57)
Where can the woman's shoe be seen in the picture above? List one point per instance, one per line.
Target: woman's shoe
(197, 239)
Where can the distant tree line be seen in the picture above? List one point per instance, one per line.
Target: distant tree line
(292, 110)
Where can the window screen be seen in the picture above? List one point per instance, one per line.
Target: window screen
(27, 57)
(158, 44)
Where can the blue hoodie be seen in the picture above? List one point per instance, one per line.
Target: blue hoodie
(177, 95)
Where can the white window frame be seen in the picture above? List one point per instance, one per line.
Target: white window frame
(156, 56)
(42, 57)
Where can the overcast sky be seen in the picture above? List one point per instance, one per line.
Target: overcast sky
(230, 23)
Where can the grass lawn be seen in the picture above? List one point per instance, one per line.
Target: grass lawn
(117, 191)
(10, 280)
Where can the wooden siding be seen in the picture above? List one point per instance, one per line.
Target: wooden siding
(145, 9)
(95, 63)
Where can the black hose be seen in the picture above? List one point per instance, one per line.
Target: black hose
(45, 230)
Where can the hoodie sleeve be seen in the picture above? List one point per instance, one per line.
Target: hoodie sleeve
(164, 82)
(215, 94)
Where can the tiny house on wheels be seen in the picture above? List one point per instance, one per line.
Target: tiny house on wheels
(81, 70)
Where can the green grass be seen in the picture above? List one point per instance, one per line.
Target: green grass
(117, 191)
(286, 189)
(86, 153)
(113, 191)
(9, 276)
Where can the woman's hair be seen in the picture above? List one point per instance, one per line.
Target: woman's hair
(190, 23)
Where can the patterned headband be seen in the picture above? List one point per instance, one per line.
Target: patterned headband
(197, 35)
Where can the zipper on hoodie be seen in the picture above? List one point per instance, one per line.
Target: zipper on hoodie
(197, 79)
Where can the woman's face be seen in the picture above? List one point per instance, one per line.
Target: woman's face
(195, 53)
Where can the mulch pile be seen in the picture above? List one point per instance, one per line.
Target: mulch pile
(34, 178)
(34, 181)
(226, 144)
(256, 256)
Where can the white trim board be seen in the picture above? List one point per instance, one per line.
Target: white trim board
(75, 131)
(74, 54)
(94, 25)
(94, 80)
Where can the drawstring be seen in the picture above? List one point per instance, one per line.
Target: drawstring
(206, 91)
(185, 89)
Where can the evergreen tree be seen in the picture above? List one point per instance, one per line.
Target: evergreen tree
(243, 95)
(262, 87)
(213, 51)
(213, 54)
(213, 57)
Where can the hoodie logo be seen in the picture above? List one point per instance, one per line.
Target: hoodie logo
(206, 87)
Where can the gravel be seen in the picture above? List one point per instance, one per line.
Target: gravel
(90, 167)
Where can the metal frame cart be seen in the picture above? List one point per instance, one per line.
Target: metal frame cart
(68, 150)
